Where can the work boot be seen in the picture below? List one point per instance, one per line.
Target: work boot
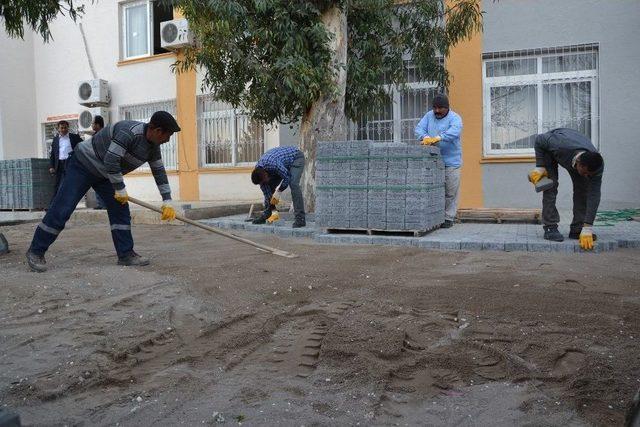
(575, 235)
(133, 259)
(36, 262)
(551, 233)
(299, 223)
(447, 224)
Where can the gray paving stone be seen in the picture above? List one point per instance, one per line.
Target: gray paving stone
(539, 246)
(492, 246)
(450, 244)
(472, 245)
(426, 244)
(515, 246)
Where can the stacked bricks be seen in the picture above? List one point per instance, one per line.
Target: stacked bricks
(25, 184)
(378, 186)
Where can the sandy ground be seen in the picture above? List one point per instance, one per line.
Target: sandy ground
(214, 330)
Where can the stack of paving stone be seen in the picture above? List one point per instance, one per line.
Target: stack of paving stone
(379, 186)
(25, 184)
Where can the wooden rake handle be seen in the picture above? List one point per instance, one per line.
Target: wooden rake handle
(259, 246)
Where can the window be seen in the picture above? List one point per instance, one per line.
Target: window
(49, 130)
(140, 22)
(397, 119)
(532, 92)
(143, 113)
(226, 136)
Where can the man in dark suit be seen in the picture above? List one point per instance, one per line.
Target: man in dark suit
(61, 149)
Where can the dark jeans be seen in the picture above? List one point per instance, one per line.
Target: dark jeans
(297, 167)
(60, 171)
(550, 215)
(75, 184)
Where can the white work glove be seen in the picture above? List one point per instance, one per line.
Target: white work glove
(121, 196)
(168, 211)
(586, 238)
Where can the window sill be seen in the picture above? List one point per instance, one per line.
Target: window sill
(146, 59)
(227, 169)
(506, 159)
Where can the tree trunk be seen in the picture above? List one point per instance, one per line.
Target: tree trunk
(325, 119)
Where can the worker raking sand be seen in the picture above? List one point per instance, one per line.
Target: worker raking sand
(100, 163)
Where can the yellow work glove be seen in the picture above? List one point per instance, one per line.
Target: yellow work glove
(427, 140)
(168, 211)
(121, 196)
(586, 238)
(275, 216)
(274, 200)
(536, 175)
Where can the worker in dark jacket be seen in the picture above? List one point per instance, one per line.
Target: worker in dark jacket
(62, 147)
(574, 152)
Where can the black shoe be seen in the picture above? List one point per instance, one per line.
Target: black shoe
(260, 220)
(447, 224)
(552, 233)
(133, 259)
(299, 223)
(36, 262)
(575, 235)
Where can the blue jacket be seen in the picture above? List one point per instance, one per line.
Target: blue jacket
(449, 129)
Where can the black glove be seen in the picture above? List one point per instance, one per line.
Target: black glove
(265, 214)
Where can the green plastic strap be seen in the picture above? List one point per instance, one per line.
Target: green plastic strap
(380, 187)
(398, 157)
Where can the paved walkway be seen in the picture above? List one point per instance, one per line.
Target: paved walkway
(468, 236)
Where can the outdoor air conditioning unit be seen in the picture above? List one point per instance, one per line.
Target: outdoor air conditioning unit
(93, 93)
(175, 34)
(85, 118)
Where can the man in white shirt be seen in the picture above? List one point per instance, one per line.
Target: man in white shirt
(61, 149)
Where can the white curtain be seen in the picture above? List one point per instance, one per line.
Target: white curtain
(137, 32)
(567, 105)
(514, 117)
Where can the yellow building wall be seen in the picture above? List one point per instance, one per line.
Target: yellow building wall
(465, 96)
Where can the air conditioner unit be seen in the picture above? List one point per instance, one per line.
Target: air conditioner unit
(85, 118)
(94, 93)
(175, 34)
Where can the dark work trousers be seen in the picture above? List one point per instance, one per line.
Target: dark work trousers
(76, 182)
(297, 167)
(550, 215)
(60, 171)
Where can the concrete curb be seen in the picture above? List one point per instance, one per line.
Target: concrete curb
(511, 243)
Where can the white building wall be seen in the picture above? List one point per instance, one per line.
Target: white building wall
(18, 126)
(62, 63)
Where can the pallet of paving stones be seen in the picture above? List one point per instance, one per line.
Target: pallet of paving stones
(384, 187)
(25, 184)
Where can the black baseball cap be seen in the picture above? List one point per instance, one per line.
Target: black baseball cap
(164, 120)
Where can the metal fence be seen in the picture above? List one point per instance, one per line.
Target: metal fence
(143, 113)
(397, 119)
(226, 136)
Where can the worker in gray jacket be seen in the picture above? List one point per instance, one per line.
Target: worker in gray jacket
(101, 163)
(574, 152)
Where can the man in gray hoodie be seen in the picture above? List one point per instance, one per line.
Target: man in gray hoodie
(574, 152)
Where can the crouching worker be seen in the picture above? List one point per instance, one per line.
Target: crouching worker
(100, 163)
(574, 152)
(276, 170)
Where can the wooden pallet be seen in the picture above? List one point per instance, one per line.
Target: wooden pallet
(376, 232)
(500, 215)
